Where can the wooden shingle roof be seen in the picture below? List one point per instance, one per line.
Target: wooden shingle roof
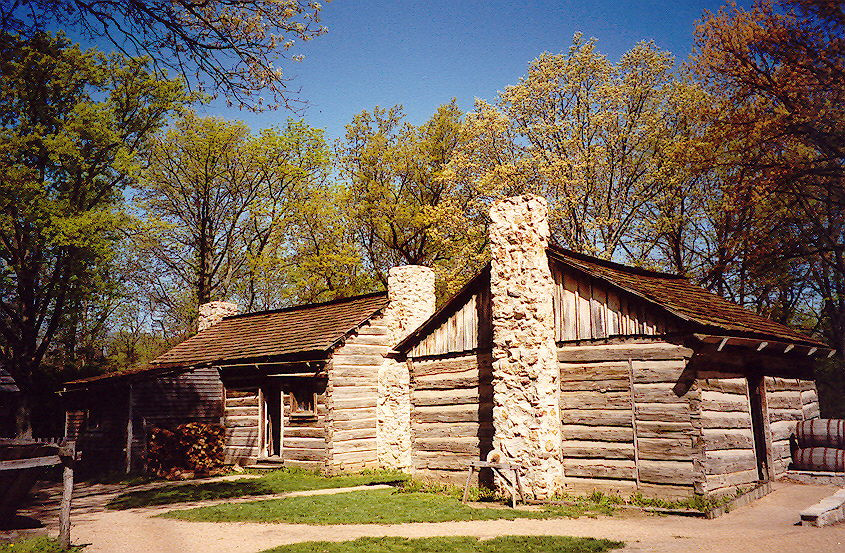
(683, 299)
(268, 334)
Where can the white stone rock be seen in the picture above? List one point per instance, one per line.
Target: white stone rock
(213, 312)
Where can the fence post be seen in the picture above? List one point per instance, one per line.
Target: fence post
(67, 453)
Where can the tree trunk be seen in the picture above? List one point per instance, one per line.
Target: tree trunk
(23, 416)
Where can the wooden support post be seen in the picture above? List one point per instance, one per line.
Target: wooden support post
(67, 453)
(129, 432)
(466, 486)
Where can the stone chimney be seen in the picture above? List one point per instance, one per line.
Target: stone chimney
(213, 312)
(526, 376)
(410, 289)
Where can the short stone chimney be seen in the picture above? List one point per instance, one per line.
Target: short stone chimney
(213, 312)
(410, 289)
(526, 376)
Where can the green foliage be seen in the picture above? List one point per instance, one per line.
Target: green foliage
(360, 507)
(279, 481)
(457, 544)
(451, 490)
(194, 447)
(73, 126)
(40, 544)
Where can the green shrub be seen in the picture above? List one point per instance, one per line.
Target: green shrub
(191, 447)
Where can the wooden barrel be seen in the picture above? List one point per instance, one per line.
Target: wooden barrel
(17, 480)
(825, 459)
(821, 433)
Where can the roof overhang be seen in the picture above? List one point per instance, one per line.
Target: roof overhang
(766, 345)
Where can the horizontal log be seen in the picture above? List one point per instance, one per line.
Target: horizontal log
(232, 422)
(777, 384)
(304, 465)
(446, 366)
(342, 370)
(658, 370)
(295, 454)
(597, 450)
(595, 400)
(812, 411)
(365, 360)
(667, 412)
(463, 379)
(455, 445)
(596, 385)
(716, 482)
(343, 403)
(346, 446)
(661, 392)
(717, 419)
(448, 413)
(303, 443)
(622, 352)
(786, 414)
(585, 486)
(598, 433)
(241, 402)
(373, 330)
(358, 456)
(357, 390)
(442, 460)
(729, 460)
(304, 432)
(340, 381)
(599, 468)
(782, 430)
(360, 349)
(596, 417)
(587, 372)
(456, 429)
(727, 438)
(665, 449)
(712, 400)
(666, 472)
(663, 429)
(241, 432)
(726, 385)
(351, 414)
(809, 396)
(369, 339)
(356, 434)
(666, 491)
(241, 411)
(245, 441)
(456, 396)
(784, 400)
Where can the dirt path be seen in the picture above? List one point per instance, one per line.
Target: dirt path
(767, 525)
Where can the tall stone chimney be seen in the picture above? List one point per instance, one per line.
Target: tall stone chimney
(526, 376)
(410, 289)
(213, 312)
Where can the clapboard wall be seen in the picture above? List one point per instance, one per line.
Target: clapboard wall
(624, 427)
(353, 396)
(452, 415)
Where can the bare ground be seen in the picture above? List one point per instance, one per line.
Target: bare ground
(767, 525)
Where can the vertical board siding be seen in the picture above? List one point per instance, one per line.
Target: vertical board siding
(353, 397)
(467, 328)
(586, 308)
(452, 416)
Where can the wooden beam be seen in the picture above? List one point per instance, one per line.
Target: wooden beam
(129, 431)
(789, 348)
(831, 353)
(812, 351)
(762, 346)
(32, 462)
(722, 344)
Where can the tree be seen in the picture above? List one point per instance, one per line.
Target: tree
(778, 71)
(73, 125)
(215, 197)
(404, 206)
(228, 46)
(596, 138)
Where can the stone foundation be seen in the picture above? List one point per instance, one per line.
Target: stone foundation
(526, 388)
(410, 290)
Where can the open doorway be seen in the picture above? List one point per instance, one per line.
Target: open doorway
(272, 416)
(759, 414)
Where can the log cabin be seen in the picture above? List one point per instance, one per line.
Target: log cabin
(591, 375)
(293, 387)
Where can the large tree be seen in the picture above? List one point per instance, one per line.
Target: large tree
(777, 71)
(227, 46)
(73, 124)
(215, 197)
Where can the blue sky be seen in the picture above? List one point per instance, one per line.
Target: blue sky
(421, 54)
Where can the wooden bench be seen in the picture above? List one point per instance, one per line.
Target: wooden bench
(514, 484)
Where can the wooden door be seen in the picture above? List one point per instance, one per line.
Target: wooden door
(272, 416)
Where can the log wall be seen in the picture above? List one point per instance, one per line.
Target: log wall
(624, 427)
(452, 415)
(240, 417)
(304, 438)
(728, 457)
(789, 401)
(352, 398)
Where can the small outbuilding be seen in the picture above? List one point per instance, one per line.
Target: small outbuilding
(591, 375)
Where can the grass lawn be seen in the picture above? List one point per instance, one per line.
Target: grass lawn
(361, 507)
(285, 480)
(458, 544)
(40, 544)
